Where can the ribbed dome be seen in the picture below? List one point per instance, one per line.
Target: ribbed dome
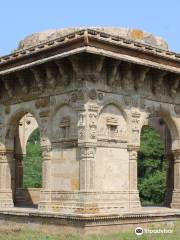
(132, 34)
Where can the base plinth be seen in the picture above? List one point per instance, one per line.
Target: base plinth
(86, 223)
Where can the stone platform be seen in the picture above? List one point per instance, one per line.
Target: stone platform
(86, 224)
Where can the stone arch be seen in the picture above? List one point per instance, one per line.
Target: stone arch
(170, 137)
(167, 118)
(118, 104)
(27, 126)
(63, 121)
(12, 122)
(112, 119)
(13, 144)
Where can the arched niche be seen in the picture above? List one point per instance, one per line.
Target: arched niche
(112, 124)
(63, 123)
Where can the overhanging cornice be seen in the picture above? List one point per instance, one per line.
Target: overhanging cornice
(96, 51)
(92, 41)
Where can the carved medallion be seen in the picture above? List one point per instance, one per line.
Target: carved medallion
(93, 94)
(177, 108)
(100, 96)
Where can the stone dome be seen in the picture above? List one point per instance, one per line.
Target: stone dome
(132, 34)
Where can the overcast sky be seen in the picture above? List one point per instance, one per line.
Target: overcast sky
(20, 18)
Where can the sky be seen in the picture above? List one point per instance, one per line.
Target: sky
(20, 18)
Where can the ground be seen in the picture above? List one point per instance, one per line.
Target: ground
(17, 234)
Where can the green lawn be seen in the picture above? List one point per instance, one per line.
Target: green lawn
(24, 234)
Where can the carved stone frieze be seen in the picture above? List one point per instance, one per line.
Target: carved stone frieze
(119, 75)
(92, 125)
(42, 103)
(87, 152)
(81, 126)
(93, 94)
(131, 100)
(135, 125)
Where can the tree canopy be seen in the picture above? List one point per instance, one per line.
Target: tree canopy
(152, 167)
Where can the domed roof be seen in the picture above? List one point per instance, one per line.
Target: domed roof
(132, 34)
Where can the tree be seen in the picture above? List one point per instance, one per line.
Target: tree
(152, 167)
(33, 161)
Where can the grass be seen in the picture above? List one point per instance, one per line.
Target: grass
(25, 234)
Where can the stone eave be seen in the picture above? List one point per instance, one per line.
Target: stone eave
(96, 51)
(71, 43)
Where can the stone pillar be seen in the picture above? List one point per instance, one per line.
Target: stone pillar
(170, 178)
(45, 194)
(176, 192)
(87, 142)
(87, 168)
(7, 179)
(18, 170)
(134, 201)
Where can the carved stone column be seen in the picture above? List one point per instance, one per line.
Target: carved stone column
(45, 194)
(7, 179)
(87, 140)
(170, 178)
(176, 192)
(134, 201)
(87, 155)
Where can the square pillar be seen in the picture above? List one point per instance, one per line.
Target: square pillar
(7, 179)
(134, 201)
(176, 192)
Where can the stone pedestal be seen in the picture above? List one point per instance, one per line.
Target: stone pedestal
(7, 183)
(176, 192)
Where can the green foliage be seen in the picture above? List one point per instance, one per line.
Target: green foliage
(34, 137)
(33, 162)
(152, 167)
